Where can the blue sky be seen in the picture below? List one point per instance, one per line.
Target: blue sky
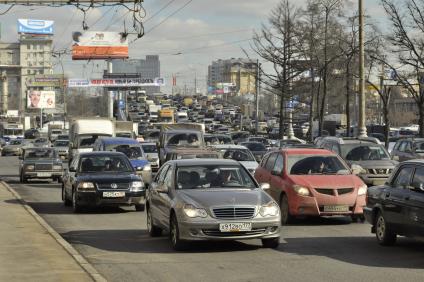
(203, 31)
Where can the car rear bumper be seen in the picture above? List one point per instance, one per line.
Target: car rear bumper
(209, 230)
(47, 174)
(97, 199)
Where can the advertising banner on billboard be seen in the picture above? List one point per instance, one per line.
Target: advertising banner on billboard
(45, 80)
(99, 45)
(35, 26)
(41, 99)
(116, 82)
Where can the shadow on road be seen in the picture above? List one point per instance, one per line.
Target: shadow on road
(316, 221)
(139, 241)
(407, 253)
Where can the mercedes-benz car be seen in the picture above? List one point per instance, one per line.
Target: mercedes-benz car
(40, 163)
(102, 178)
(210, 199)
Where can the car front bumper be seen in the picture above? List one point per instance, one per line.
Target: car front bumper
(96, 198)
(208, 229)
(42, 174)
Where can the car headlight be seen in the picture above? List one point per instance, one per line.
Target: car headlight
(362, 190)
(192, 211)
(57, 167)
(137, 186)
(85, 186)
(301, 190)
(30, 167)
(270, 209)
(147, 168)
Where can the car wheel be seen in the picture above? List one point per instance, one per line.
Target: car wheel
(65, 200)
(174, 233)
(384, 235)
(139, 207)
(271, 243)
(75, 205)
(153, 230)
(286, 217)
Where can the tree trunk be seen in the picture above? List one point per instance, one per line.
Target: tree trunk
(421, 117)
(386, 123)
(281, 130)
(348, 99)
(311, 107)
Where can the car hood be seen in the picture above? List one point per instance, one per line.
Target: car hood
(250, 165)
(108, 177)
(138, 163)
(206, 198)
(375, 163)
(11, 147)
(42, 161)
(152, 156)
(326, 181)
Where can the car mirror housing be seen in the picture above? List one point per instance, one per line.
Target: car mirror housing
(162, 189)
(357, 169)
(72, 169)
(265, 186)
(275, 172)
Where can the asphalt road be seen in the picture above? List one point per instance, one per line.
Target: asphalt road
(116, 242)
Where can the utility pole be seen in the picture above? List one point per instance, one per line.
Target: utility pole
(4, 92)
(380, 100)
(110, 93)
(258, 88)
(195, 83)
(362, 130)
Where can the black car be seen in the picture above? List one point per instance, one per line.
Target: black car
(102, 178)
(258, 149)
(397, 208)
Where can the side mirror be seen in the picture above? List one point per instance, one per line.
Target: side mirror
(276, 173)
(357, 169)
(163, 189)
(395, 158)
(72, 169)
(265, 186)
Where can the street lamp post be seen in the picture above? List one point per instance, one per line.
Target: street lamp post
(362, 130)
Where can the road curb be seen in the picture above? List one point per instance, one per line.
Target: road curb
(88, 267)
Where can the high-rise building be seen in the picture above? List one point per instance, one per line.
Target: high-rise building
(239, 72)
(147, 68)
(31, 55)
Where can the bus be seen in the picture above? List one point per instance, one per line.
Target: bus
(11, 130)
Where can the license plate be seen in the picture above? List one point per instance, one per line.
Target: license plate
(235, 227)
(336, 208)
(113, 194)
(44, 174)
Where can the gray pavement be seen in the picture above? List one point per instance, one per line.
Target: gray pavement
(27, 251)
(116, 243)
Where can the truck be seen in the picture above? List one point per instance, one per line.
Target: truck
(11, 130)
(54, 130)
(154, 112)
(125, 129)
(176, 136)
(166, 115)
(83, 132)
(188, 101)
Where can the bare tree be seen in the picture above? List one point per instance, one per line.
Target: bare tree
(407, 20)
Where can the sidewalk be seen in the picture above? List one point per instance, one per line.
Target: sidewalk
(28, 252)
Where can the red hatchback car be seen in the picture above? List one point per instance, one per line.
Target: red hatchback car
(312, 182)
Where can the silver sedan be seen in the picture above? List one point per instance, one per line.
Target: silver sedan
(210, 199)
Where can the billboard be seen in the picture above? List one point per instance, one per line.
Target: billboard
(116, 82)
(35, 26)
(41, 99)
(225, 88)
(99, 45)
(45, 80)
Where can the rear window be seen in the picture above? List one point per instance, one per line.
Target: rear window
(255, 146)
(315, 164)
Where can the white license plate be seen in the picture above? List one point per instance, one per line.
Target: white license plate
(44, 174)
(113, 194)
(235, 227)
(336, 208)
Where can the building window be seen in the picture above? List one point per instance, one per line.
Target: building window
(28, 46)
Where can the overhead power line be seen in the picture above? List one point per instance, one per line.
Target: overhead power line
(160, 10)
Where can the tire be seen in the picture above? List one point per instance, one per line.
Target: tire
(140, 207)
(286, 217)
(384, 235)
(75, 205)
(271, 243)
(174, 234)
(153, 230)
(65, 200)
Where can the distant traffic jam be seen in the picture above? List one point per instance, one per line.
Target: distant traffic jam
(200, 172)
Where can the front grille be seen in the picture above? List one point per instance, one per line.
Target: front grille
(234, 212)
(108, 186)
(344, 191)
(217, 233)
(377, 171)
(325, 191)
(43, 166)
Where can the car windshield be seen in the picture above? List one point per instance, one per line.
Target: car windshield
(132, 151)
(110, 164)
(224, 139)
(241, 155)
(361, 152)
(255, 146)
(315, 164)
(183, 139)
(419, 147)
(213, 176)
(211, 140)
(88, 140)
(16, 142)
(61, 143)
(63, 137)
(148, 149)
(40, 154)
